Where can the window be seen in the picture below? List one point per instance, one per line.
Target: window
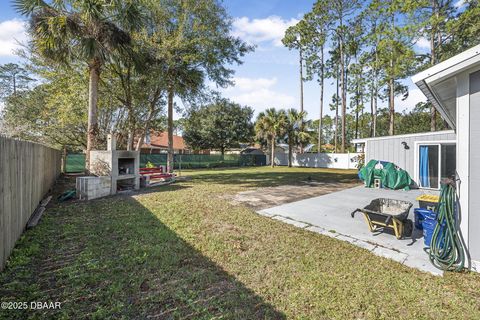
(435, 162)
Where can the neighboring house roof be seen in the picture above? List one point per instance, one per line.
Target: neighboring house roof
(309, 147)
(250, 150)
(160, 140)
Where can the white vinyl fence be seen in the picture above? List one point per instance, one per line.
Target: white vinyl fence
(322, 160)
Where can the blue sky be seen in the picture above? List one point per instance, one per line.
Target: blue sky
(268, 77)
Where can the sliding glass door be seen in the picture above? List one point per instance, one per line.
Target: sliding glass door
(436, 161)
(429, 164)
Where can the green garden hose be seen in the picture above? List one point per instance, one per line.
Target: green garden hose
(446, 249)
(67, 195)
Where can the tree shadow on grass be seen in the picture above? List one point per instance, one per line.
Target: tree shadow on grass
(113, 258)
(275, 177)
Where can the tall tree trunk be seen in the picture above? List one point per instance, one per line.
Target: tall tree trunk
(357, 101)
(146, 127)
(272, 155)
(301, 94)
(374, 110)
(336, 115)
(170, 130)
(344, 92)
(141, 137)
(301, 79)
(356, 121)
(371, 111)
(391, 84)
(14, 84)
(130, 109)
(148, 120)
(391, 104)
(433, 118)
(64, 160)
(94, 70)
(131, 126)
(322, 79)
(344, 104)
(130, 139)
(433, 60)
(375, 95)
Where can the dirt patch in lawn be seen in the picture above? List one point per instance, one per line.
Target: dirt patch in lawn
(263, 198)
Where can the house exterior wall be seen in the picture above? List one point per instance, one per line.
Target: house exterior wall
(391, 148)
(474, 168)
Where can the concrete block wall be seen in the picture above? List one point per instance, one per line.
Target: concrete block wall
(89, 188)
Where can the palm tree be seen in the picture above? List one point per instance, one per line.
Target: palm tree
(271, 125)
(193, 40)
(295, 131)
(77, 30)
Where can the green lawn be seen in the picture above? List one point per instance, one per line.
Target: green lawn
(183, 252)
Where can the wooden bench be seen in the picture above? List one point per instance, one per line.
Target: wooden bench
(155, 173)
(151, 170)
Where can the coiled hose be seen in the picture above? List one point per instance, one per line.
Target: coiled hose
(446, 249)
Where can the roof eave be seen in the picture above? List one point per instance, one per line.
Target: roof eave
(431, 96)
(448, 68)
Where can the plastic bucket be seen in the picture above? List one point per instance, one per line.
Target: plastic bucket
(420, 215)
(429, 225)
(428, 228)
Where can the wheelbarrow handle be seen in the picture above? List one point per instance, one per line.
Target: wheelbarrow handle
(353, 213)
(388, 220)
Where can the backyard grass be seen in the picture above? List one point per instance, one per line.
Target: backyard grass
(184, 252)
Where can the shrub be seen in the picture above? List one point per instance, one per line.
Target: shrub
(150, 165)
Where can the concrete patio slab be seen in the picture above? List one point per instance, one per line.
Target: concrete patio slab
(330, 215)
(291, 221)
(262, 198)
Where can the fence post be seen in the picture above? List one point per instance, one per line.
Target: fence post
(180, 166)
(64, 160)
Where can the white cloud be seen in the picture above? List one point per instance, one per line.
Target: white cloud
(262, 99)
(423, 43)
(256, 31)
(414, 96)
(247, 84)
(11, 32)
(258, 93)
(459, 4)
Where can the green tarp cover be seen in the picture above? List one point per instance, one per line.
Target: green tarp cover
(390, 175)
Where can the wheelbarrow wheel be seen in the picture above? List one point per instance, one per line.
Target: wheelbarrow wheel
(407, 228)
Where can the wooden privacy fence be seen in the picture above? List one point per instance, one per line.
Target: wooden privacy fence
(27, 171)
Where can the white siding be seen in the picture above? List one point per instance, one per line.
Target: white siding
(474, 177)
(391, 149)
